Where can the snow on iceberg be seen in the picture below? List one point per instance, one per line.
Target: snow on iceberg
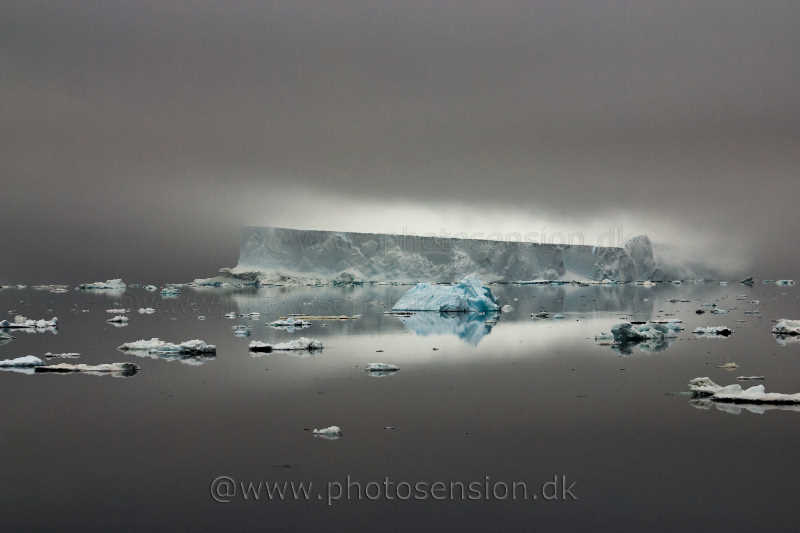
(302, 343)
(468, 295)
(723, 331)
(26, 361)
(785, 326)
(157, 346)
(705, 388)
(22, 322)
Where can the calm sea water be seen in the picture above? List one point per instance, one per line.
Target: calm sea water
(521, 400)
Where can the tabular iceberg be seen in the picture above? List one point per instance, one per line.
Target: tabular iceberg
(469, 295)
(282, 256)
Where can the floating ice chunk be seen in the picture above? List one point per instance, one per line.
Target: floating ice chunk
(290, 324)
(540, 314)
(469, 295)
(330, 432)
(114, 369)
(785, 326)
(157, 346)
(784, 282)
(750, 378)
(648, 337)
(559, 316)
(604, 338)
(381, 368)
(506, 308)
(108, 285)
(719, 311)
(241, 330)
(748, 281)
(724, 331)
(120, 319)
(728, 366)
(118, 311)
(150, 288)
(68, 355)
(230, 316)
(146, 310)
(170, 290)
(302, 343)
(25, 361)
(705, 387)
(22, 322)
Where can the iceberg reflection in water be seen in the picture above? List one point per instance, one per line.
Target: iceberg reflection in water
(469, 327)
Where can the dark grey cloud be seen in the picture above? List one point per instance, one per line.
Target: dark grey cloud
(158, 127)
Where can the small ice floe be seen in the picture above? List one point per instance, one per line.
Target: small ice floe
(467, 295)
(302, 343)
(672, 324)
(117, 311)
(540, 314)
(507, 308)
(558, 316)
(330, 432)
(157, 346)
(230, 316)
(26, 361)
(719, 311)
(705, 388)
(253, 315)
(787, 327)
(170, 290)
(22, 322)
(112, 369)
(723, 283)
(66, 355)
(290, 324)
(728, 366)
(750, 378)
(711, 331)
(647, 337)
(784, 282)
(201, 317)
(108, 285)
(119, 319)
(381, 369)
(748, 281)
(146, 310)
(241, 330)
(150, 288)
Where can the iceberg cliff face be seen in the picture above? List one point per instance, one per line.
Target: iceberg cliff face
(280, 253)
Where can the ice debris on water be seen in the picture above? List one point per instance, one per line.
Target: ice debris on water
(170, 290)
(723, 331)
(381, 368)
(230, 316)
(26, 361)
(647, 337)
(113, 369)
(785, 326)
(22, 322)
(750, 378)
(301, 343)
(506, 308)
(467, 295)
(108, 285)
(784, 282)
(290, 324)
(705, 388)
(146, 310)
(117, 311)
(157, 346)
(150, 288)
(66, 355)
(728, 366)
(241, 330)
(719, 311)
(118, 319)
(330, 432)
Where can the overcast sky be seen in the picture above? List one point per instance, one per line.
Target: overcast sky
(157, 128)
